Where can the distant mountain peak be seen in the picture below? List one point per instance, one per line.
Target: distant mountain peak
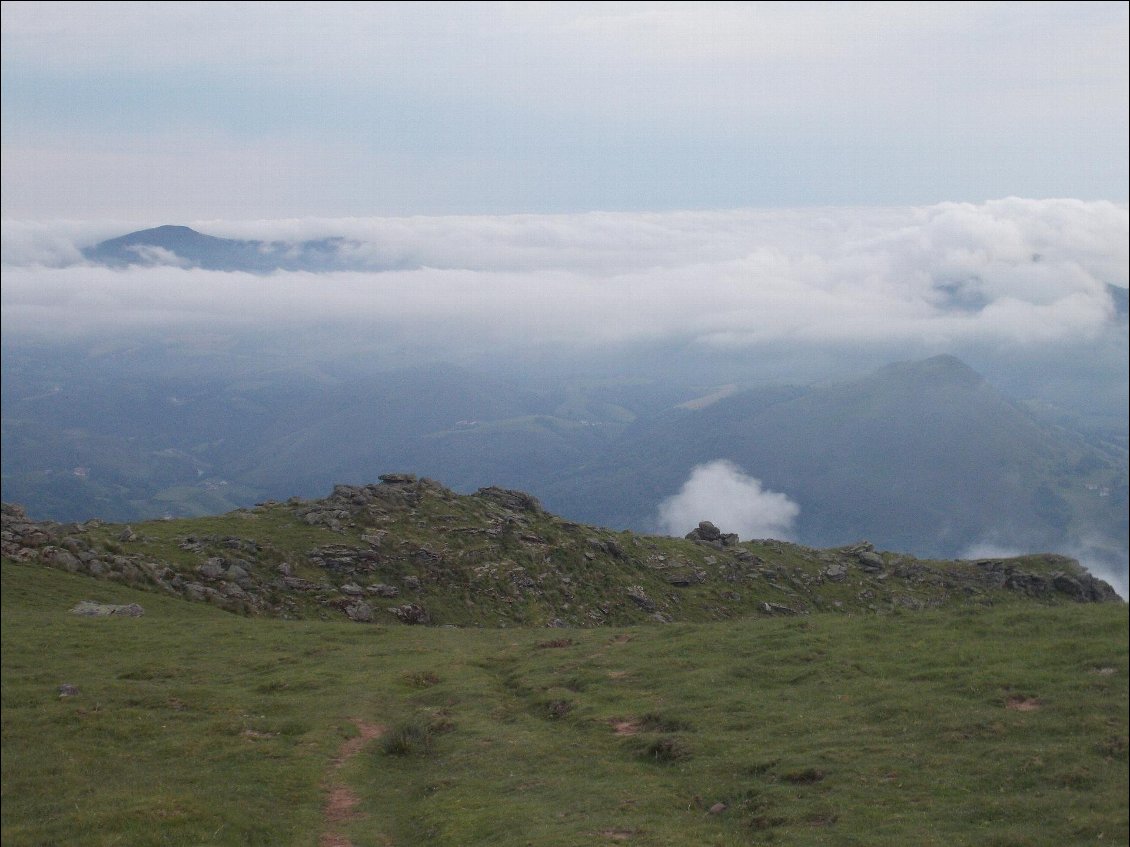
(944, 368)
(175, 245)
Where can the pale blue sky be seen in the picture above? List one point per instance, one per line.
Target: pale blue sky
(215, 110)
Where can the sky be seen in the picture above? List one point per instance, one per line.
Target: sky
(176, 112)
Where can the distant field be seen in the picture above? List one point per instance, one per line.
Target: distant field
(191, 726)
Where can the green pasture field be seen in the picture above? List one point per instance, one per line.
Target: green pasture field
(194, 726)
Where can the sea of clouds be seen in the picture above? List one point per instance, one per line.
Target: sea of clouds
(1004, 273)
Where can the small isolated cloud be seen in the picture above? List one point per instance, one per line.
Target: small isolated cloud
(722, 493)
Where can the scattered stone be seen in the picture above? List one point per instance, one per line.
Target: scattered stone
(638, 596)
(68, 690)
(360, 612)
(411, 613)
(382, 590)
(352, 589)
(717, 808)
(870, 561)
(91, 609)
(211, 569)
(835, 573)
(776, 609)
(705, 531)
(517, 500)
(127, 534)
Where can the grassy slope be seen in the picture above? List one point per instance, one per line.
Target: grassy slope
(194, 726)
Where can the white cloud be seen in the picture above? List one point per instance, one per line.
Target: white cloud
(721, 493)
(931, 279)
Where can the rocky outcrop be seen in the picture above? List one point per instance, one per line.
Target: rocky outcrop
(410, 550)
(708, 533)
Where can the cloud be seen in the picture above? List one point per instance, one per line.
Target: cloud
(1009, 273)
(722, 493)
(209, 108)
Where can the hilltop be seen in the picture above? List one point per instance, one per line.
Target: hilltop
(412, 550)
(182, 246)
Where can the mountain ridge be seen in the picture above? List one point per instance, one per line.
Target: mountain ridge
(182, 246)
(412, 550)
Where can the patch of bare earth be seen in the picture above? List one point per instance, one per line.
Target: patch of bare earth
(341, 801)
(618, 834)
(627, 726)
(1022, 704)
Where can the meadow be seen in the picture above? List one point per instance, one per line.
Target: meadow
(191, 725)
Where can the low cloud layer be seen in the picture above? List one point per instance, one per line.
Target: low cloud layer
(1009, 273)
(722, 493)
(1006, 273)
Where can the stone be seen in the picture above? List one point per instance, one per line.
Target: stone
(410, 613)
(91, 609)
(517, 500)
(360, 612)
(835, 572)
(211, 569)
(705, 531)
(638, 596)
(383, 590)
(870, 561)
(68, 690)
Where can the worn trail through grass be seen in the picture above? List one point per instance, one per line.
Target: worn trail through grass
(341, 801)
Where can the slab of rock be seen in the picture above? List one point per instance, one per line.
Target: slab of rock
(91, 609)
(411, 613)
(360, 612)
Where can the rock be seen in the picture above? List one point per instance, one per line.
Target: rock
(382, 590)
(684, 579)
(91, 609)
(411, 613)
(127, 534)
(705, 531)
(835, 572)
(776, 609)
(638, 596)
(717, 808)
(360, 612)
(352, 589)
(68, 690)
(56, 557)
(870, 561)
(235, 573)
(412, 583)
(211, 569)
(517, 500)
(397, 478)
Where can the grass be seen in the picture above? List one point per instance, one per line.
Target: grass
(193, 726)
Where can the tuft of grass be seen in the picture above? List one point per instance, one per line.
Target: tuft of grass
(421, 679)
(667, 749)
(407, 739)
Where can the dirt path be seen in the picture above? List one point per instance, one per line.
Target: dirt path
(341, 801)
